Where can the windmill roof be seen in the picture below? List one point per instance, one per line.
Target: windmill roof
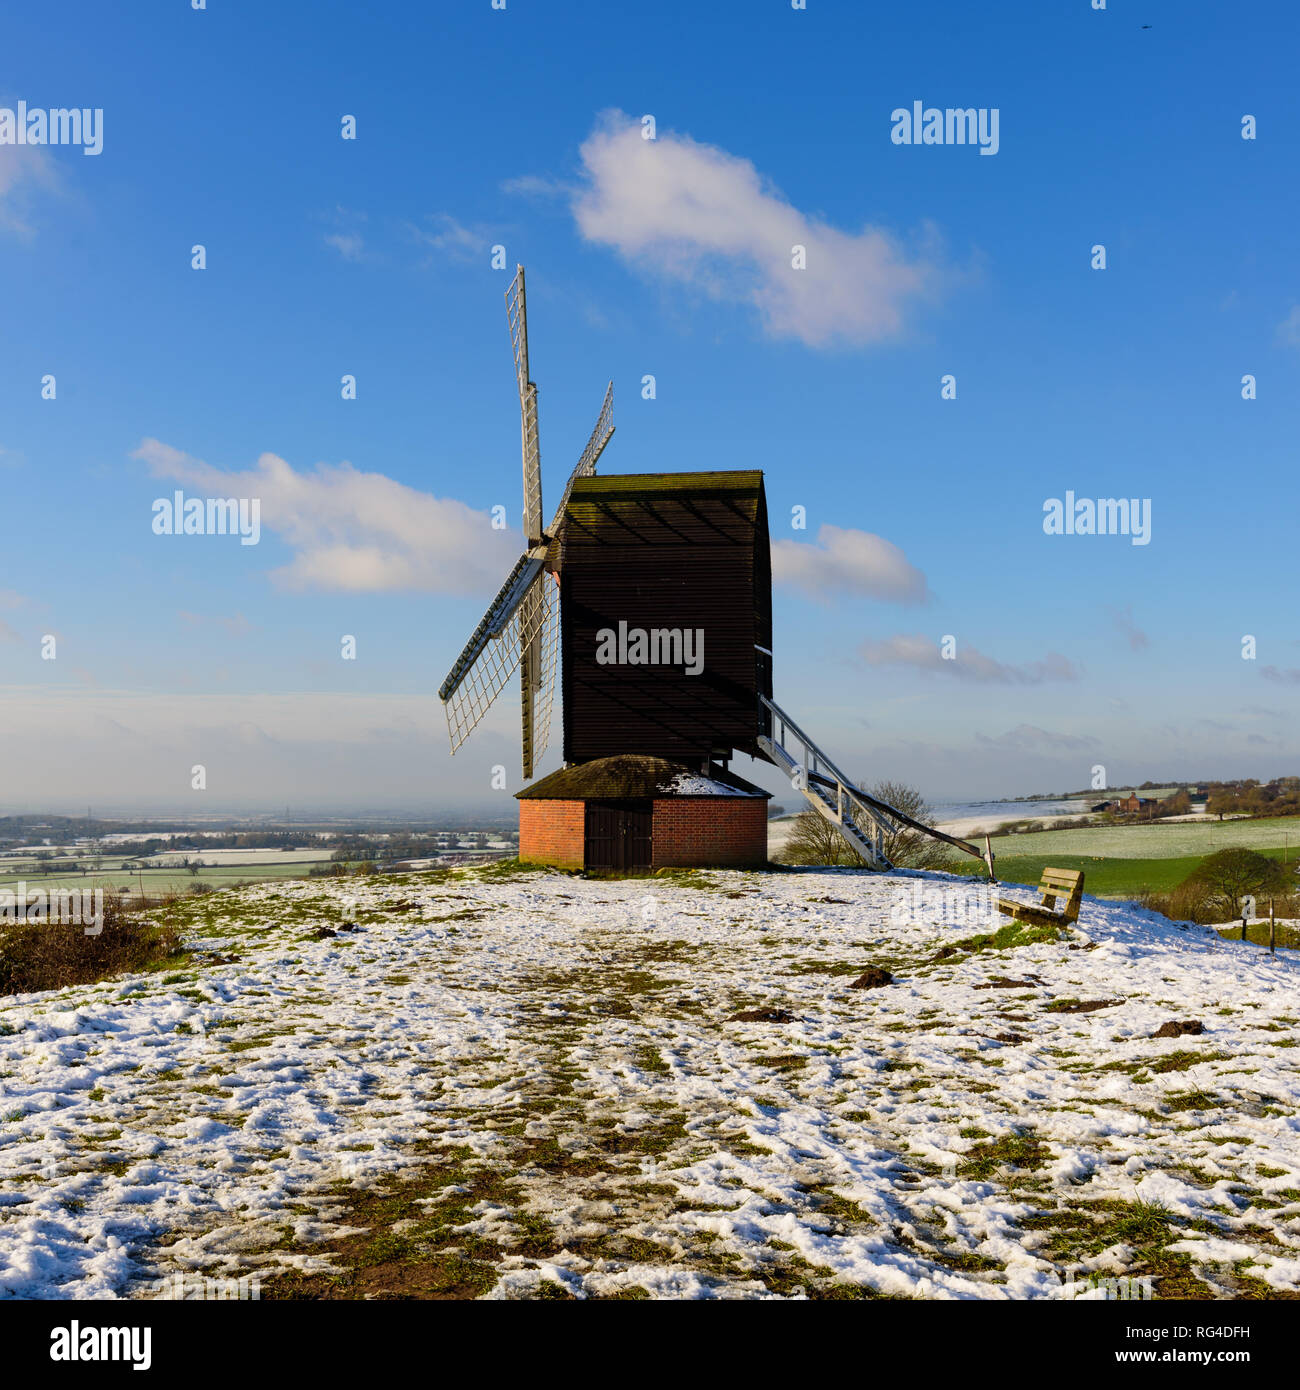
(627, 776)
(734, 480)
(660, 508)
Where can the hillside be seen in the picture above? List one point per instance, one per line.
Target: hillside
(529, 1084)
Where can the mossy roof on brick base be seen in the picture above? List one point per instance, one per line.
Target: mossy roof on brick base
(634, 776)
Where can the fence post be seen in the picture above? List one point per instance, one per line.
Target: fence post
(1272, 928)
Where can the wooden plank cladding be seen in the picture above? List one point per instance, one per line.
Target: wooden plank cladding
(646, 555)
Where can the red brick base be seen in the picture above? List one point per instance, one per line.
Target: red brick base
(688, 832)
(710, 831)
(553, 832)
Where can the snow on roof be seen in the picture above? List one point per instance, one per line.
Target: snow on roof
(696, 784)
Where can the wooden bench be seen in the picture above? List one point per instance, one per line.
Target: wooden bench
(1057, 883)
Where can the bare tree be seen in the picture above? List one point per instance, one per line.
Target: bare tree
(904, 847)
(814, 840)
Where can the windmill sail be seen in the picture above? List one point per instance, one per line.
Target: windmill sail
(523, 618)
(585, 467)
(517, 314)
(520, 630)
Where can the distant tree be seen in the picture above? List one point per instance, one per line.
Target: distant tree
(193, 868)
(1177, 804)
(774, 810)
(1230, 875)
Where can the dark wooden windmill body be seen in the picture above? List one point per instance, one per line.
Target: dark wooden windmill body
(683, 558)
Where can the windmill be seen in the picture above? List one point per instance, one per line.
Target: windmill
(657, 590)
(520, 628)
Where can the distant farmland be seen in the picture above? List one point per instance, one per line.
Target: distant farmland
(1124, 861)
(230, 866)
(1157, 840)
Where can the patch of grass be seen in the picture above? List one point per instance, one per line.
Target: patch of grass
(841, 1291)
(785, 1061)
(685, 878)
(1010, 937)
(651, 1059)
(1177, 1101)
(1021, 1149)
(385, 1249)
(652, 1139)
(1142, 1224)
(965, 1261)
(508, 868)
(660, 951)
(1079, 1006)
(1172, 1276)
(1146, 1227)
(1182, 1060)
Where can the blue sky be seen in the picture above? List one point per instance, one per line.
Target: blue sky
(478, 127)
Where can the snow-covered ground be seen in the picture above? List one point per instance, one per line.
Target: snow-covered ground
(962, 1132)
(966, 826)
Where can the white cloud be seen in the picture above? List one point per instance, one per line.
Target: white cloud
(354, 531)
(923, 653)
(1133, 635)
(1288, 331)
(23, 169)
(698, 214)
(455, 240)
(349, 245)
(1025, 738)
(535, 186)
(843, 561)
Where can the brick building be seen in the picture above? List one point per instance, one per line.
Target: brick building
(631, 813)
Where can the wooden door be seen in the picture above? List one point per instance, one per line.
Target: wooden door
(619, 836)
(638, 818)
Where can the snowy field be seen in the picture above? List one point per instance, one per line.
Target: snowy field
(483, 1084)
(1175, 838)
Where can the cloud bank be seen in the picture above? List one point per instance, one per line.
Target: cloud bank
(968, 663)
(847, 562)
(355, 532)
(699, 215)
